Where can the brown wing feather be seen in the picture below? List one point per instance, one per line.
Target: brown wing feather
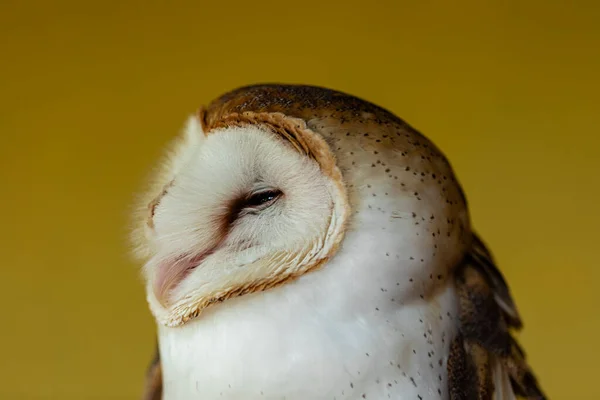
(153, 384)
(462, 378)
(482, 259)
(487, 314)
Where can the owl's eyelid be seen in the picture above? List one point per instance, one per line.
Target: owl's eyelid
(257, 208)
(262, 190)
(277, 194)
(240, 208)
(260, 185)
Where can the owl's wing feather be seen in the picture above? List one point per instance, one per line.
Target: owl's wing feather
(153, 383)
(483, 259)
(502, 387)
(486, 361)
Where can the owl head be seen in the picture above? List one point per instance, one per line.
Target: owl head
(260, 188)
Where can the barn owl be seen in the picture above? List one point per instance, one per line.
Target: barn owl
(301, 243)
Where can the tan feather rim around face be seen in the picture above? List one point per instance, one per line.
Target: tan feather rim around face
(296, 134)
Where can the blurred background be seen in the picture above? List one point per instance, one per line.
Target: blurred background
(90, 92)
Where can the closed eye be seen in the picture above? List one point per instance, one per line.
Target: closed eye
(253, 203)
(262, 199)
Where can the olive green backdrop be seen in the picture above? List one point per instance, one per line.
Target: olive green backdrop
(90, 92)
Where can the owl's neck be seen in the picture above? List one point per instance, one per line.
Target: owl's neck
(354, 326)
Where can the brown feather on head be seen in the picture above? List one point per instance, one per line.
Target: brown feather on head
(320, 134)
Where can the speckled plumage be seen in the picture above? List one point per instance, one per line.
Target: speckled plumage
(411, 305)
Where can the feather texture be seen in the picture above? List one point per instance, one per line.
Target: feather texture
(487, 314)
(384, 304)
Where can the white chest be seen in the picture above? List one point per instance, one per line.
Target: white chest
(296, 352)
(375, 323)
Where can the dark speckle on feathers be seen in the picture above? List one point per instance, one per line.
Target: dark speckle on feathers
(462, 378)
(486, 309)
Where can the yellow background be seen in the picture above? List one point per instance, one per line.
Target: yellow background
(91, 91)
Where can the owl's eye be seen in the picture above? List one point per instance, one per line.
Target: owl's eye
(252, 203)
(262, 199)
